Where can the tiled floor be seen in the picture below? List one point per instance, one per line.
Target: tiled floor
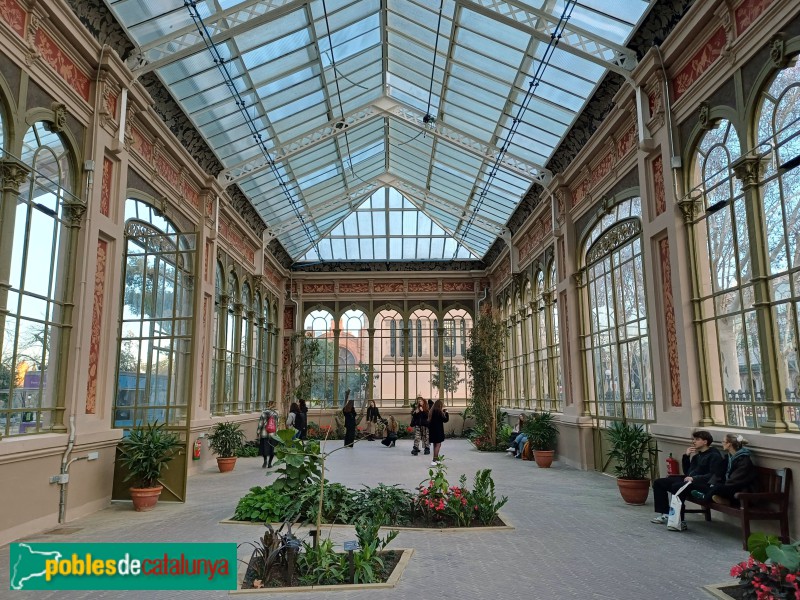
(573, 536)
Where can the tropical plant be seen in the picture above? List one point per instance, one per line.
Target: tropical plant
(541, 430)
(483, 497)
(265, 504)
(367, 561)
(321, 564)
(337, 504)
(300, 463)
(632, 450)
(300, 368)
(386, 504)
(483, 358)
(772, 571)
(248, 450)
(146, 451)
(226, 438)
(274, 552)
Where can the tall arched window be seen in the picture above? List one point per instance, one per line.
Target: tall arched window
(617, 349)
(543, 395)
(461, 321)
(423, 370)
(508, 355)
(259, 379)
(246, 370)
(217, 337)
(353, 367)
(156, 321)
(230, 399)
(319, 326)
(554, 351)
(726, 294)
(530, 357)
(38, 223)
(389, 369)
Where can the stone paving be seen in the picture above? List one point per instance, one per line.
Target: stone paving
(573, 536)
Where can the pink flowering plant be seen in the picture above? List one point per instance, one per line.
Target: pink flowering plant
(771, 572)
(439, 502)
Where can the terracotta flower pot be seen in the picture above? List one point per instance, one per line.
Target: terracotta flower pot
(145, 499)
(226, 464)
(543, 458)
(634, 491)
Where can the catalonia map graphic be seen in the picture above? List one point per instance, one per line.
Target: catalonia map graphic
(29, 564)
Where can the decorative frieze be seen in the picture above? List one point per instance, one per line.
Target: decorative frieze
(391, 287)
(423, 286)
(669, 323)
(659, 192)
(354, 288)
(318, 288)
(62, 64)
(699, 63)
(107, 184)
(458, 286)
(747, 12)
(97, 326)
(236, 239)
(13, 14)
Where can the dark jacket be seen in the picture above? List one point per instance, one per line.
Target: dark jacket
(741, 473)
(350, 420)
(373, 414)
(419, 418)
(705, 466)
(436, 426)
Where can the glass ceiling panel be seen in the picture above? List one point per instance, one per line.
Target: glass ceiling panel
(286, 88)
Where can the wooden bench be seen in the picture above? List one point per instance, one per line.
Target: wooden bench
(769, 503)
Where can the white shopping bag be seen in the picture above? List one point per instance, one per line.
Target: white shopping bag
(675, 505)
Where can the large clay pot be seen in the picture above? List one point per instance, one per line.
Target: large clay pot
(145, 499)
(634, 491)
(543, 458)
(226, 464)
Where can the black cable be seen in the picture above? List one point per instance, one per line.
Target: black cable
(191, 6)
(523, 106)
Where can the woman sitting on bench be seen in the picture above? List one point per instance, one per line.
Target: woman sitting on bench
(739, 477)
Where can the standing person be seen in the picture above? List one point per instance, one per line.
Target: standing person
(390, 437)
(291, 418)
(302, 426)
(349, 412)
(373, 416)
(702, 464)
(419, 420)
(436, 419)
(267, 425)
(740, 475)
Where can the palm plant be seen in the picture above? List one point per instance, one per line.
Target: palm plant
(146, 452)
(632, 450)
(225, 439)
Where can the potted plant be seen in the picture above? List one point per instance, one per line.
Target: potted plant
(632, 451)
(225, 440)
(145, 452)
(542, 435)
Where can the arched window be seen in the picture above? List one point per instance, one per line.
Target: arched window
(530, 357)
(778, 123)
(543, 395)
(156, 321)
(217, 337)
(319, 326)
(456, 391)
(389, 383)
(259, 379)
(423, 370)
(508, 355)
(617, 349)
(246, 370)
(230, 399)
(40, 216)
(554, 351)
(353, 367)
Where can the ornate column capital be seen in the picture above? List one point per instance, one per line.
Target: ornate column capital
(691, 206)
(749, 170)
(73, 212)
(13, 174)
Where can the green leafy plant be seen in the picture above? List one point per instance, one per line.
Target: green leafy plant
(632, 450)
(483, 358)
(300, 463)
(541, 430)
(265, 504)
(226, 438)
(367, 561)
(337, 503)
(146, 452)
(389, 503)
(483, 497)
(248, 450)
(322, 565)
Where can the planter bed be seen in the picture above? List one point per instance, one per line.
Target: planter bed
(395, 562)
(500, 523)
(726, 591)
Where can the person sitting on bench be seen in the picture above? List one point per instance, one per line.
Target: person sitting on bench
(740, 475)
(702, 464)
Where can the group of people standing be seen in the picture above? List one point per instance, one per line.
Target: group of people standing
(427, 419)
(710, 475)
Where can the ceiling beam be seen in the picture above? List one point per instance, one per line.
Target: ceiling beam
(389, 108)
(218, 28)
(575, 40)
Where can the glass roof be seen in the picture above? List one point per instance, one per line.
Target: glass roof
(332, 115)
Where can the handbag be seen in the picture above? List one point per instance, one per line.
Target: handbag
(675, 507)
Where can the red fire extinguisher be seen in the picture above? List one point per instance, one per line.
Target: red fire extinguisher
(196, 450)
(672, 466)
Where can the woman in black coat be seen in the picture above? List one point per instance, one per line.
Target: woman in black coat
(740, 476)
(436, 419)
(349, 412)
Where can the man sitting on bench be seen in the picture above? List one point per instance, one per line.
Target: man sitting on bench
(701, 464)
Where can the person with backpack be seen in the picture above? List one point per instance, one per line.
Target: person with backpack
(304, 411)
(267, 425)
(295, 419)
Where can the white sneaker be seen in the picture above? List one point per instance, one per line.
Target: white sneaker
(660, 519)
(434, 463)
(682, 527)
(511, 449)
